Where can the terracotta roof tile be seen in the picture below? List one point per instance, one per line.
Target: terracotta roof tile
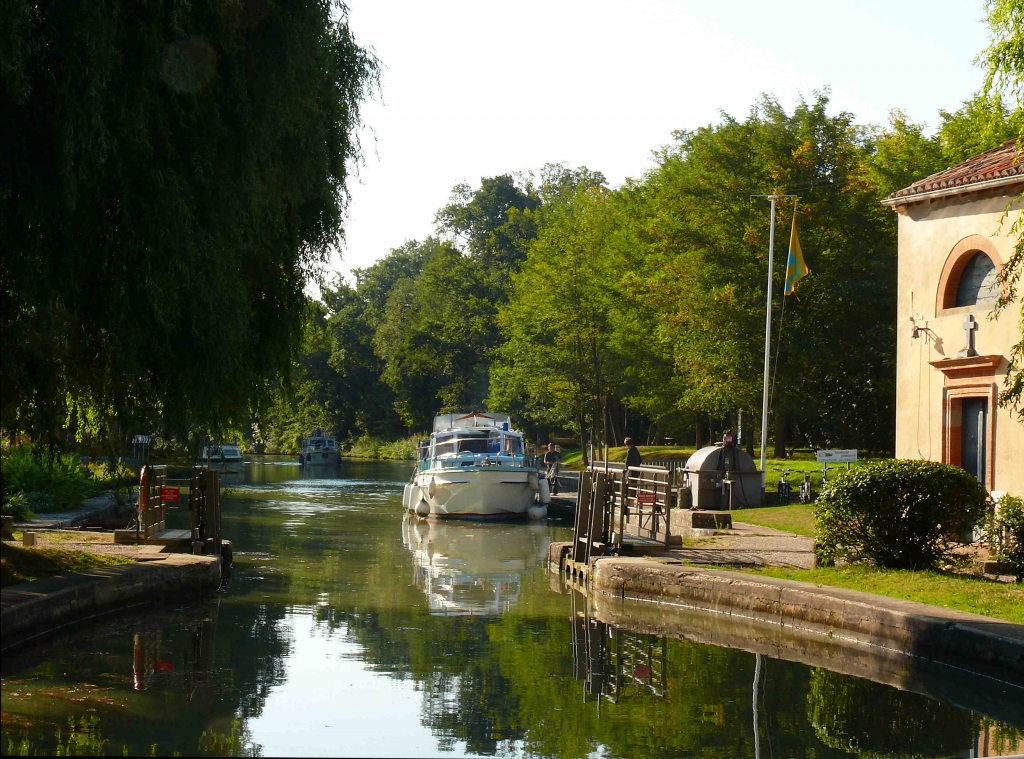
(1000, 162)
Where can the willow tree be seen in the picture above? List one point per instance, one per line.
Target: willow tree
(173, 177)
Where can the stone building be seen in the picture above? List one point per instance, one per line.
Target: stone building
(951, 357)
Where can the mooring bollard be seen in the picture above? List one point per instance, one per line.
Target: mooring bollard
(28, 538)
(197, 547)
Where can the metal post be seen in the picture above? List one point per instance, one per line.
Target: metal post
(767, 349)
(757, 683)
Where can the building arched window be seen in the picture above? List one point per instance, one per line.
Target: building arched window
(979, 282)
(970, 276)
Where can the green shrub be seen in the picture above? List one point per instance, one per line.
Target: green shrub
(1006, 534)
(50, 481)
(16, 505)
(897, 513)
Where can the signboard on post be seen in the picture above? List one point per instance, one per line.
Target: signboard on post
(170, 494)
(844, 456)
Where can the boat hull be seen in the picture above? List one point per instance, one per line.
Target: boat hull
(320, 458)
(490, 493)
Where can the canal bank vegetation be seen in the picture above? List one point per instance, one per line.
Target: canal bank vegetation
(37, 479)
(368, 447)
(895, 528)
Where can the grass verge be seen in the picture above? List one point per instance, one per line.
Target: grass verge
(971, 594)
(798, 518)
(19, 564)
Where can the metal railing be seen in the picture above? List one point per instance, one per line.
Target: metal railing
(614, 502)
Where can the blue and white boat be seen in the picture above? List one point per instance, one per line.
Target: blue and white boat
(320, 449)
(475, 467)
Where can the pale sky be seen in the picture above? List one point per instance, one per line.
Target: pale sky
(472, 89)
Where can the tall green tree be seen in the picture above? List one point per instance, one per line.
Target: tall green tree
(557, 361)
(495, 222)
(438, 334)
(1004, 71)
(707, 236)
(173, 177)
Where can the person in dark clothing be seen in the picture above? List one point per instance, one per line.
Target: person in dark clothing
(552, 460)
(633, 457)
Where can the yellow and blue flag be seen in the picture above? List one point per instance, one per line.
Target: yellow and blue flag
(796, 269)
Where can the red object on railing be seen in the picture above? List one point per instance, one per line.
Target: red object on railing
(646, 498)
(164, 666)
(170, 494)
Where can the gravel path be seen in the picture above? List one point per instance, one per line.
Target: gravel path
(751, 545)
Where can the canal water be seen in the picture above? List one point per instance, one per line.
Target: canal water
(348, 630)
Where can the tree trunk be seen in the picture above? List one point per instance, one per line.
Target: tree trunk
(698, 430)
(781, 422)
(583, 442)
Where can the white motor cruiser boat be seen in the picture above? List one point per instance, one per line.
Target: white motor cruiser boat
(475, 467)
(320, 450)
(227, 457)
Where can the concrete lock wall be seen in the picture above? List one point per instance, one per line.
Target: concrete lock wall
(934, 240)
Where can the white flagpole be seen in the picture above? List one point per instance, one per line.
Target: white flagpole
(767, 349)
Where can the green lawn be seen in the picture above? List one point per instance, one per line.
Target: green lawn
(798, 518)
(19, 564)
(970, 594)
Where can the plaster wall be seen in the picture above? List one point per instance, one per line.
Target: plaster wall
(926, 398)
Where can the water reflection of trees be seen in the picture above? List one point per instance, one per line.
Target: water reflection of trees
(867, 718)
(171, 678)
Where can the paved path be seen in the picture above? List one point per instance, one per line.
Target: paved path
(748, 545)
(99, 506)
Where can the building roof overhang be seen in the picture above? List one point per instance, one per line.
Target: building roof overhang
(994, 169)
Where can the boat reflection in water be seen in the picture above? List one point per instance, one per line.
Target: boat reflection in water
(469, 569)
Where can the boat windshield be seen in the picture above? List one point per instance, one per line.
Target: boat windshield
(490, 442)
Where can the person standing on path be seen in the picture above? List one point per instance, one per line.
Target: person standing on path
(552, 459)
(633, 457)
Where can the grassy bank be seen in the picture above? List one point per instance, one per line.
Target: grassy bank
(798, 518)
(971, 594)
(19, 564)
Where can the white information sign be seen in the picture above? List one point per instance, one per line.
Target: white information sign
(837, 457)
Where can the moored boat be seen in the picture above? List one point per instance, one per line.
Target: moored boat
(475, 467)
(226, 457)
(320, 449)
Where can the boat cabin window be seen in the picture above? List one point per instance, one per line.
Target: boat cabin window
(512, 446)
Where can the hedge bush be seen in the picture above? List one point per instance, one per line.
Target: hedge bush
(1006, 534)
(898, 513)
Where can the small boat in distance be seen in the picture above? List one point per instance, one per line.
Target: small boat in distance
(226, 457)
(320, 450)
(474, 467)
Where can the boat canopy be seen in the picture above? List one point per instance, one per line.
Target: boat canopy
(446, 422)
